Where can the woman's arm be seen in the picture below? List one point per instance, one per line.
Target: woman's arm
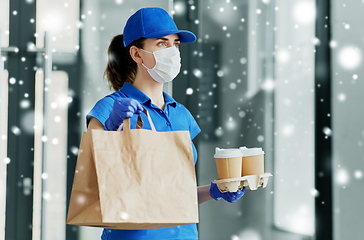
(95, 124)
(203, 194)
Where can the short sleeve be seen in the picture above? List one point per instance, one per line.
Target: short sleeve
(101, 110)
(193, 128)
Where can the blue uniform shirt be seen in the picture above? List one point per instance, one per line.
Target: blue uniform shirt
(175, 117)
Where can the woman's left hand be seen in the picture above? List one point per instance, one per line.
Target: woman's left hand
(122, 108)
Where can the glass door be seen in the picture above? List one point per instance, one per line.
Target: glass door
(39, 42)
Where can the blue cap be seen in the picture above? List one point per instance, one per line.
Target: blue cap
(153, 23)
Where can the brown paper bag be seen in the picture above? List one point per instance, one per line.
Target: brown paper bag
(134, 179)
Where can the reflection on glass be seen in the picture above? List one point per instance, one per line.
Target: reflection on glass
(3, 144)
(61, 20)
(4, 23)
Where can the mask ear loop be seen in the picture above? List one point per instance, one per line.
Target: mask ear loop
(146, 51)
(154, 59)
(145, 66)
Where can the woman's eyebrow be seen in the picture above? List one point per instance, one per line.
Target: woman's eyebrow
(166, 39)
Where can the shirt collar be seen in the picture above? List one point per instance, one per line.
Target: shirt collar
(169, 100)
(132, 92)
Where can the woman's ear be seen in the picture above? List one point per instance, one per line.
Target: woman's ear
(134, 53)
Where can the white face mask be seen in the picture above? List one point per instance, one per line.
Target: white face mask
(167, 64)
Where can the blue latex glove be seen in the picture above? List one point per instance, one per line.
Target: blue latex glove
(122, 108)
(231, 197)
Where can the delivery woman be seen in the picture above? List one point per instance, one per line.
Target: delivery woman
(140, 61)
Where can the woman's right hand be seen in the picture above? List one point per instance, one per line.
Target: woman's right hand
(122, 108)
(230, 197)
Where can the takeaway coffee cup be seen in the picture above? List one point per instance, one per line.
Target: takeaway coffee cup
(228, 163)
(252, 161)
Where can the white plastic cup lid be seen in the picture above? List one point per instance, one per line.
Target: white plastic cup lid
(251, 151)
(227, 153)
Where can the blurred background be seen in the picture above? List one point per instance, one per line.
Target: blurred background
(286, 76)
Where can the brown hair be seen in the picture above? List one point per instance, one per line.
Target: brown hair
(121, 67)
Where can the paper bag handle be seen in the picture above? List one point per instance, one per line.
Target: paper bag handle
(126, 122)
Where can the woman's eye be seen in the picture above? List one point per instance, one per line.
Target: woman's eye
(176, 45)
(162, 44)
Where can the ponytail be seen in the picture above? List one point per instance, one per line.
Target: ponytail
(121, 67)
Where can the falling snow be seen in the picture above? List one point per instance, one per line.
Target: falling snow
(7, 160)
(197, 73)
(47, 196)
(349, 57)
(342, 177)
(232, 86)
(358, 174)
(231, 124)
(242, 114)
(341, 97)
(24, 104)
(314, 193)
(189, 91)
(81, 199)
(220, 73)
(16, 130)
(57, 119)
(304, 12)
(327, 131)
(219, 132)
(229, 79)
(12, 81)
(124, 215)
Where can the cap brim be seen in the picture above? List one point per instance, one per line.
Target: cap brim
(184, 36)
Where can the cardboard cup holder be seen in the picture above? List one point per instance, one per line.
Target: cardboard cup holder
(252, 182)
